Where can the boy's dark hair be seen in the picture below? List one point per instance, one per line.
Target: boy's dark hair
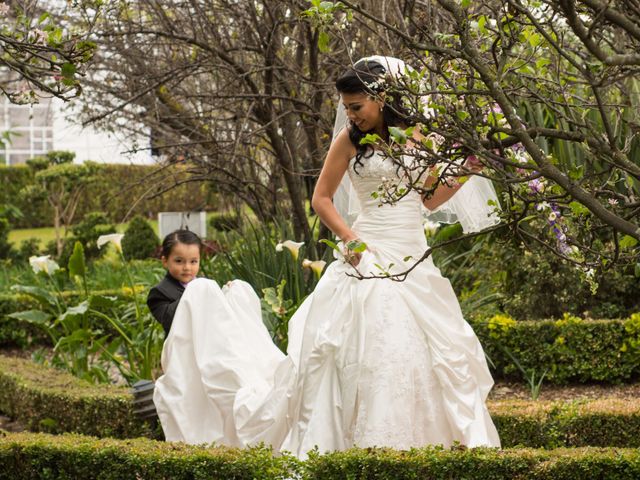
(179, 236)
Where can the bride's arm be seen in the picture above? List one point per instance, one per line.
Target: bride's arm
(335, 165)
(444, 192)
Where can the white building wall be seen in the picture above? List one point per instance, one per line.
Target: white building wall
(90, 144)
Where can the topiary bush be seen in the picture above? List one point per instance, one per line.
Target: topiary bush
(139, 241)
(225, 221)
(5, 246)
(87, 232)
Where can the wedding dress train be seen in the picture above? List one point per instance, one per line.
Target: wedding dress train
(369, 362)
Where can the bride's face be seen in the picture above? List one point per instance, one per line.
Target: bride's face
(364, 111)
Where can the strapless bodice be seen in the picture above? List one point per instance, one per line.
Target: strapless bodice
(400, 222)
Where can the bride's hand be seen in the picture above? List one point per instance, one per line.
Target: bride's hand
(472, 165)
(352, 251)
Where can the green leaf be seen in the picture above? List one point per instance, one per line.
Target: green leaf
(370, 139)
(102, 301)
(482, 20)
(76, 311)
(323, 42)
(330, 243)
(628, 242)
(40, 294)
(398, 135)
(68, 70)
(37, 317)
(578, 209)
(77, 265)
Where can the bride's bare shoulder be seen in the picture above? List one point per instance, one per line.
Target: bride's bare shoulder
(342, 145)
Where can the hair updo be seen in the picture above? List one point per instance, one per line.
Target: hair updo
(180, 236)
(370, 77)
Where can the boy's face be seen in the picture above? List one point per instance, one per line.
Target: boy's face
(183, 262)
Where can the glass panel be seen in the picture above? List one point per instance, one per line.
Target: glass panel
(20, 141)
(42, 116)
(17, 158)
(19, 116)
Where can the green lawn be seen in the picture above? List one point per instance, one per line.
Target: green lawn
(46, 234)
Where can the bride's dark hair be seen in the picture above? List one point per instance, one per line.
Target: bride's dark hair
(369, 77)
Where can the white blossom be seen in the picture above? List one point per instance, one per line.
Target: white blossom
(290, 245)
(43, 264)
(115, 238)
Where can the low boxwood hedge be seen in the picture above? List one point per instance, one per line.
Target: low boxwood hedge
(612, 422)
(46, 399)
(50, 400)
(32, 455)
(568, 350)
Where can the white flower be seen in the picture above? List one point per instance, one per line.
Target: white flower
(43, 264)
(115, 238)
(542, 206)
(316, 266)
(4, 9)
(430, 228)
(613, 201)
(40, 36)
(553, 217)
(290, 245)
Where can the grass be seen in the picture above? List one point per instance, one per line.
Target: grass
(46, 234)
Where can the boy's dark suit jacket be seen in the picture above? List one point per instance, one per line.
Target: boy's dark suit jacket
(163, 300)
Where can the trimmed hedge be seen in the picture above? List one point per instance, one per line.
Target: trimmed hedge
(46, 399)
(568, 350)
(25, 455)
(29, 455)
(480, 463)
(612, 422)
(120, 187)
(51, 400)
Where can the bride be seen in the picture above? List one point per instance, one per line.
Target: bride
(369, 362)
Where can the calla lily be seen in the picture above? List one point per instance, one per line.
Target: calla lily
(115, 238)
(290, 245)
(43, 264)
(317, 267)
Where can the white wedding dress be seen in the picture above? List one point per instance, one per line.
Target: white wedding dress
(369, 363)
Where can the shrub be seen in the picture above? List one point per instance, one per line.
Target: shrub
(612, 422)
(28, 248)
(139, 241)
(46, 399)
(87, 232)
(532, 284)
(37, 455)
(119, 190)
(569, 350)
(225, 221)
(29, 455)
(5, 246)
